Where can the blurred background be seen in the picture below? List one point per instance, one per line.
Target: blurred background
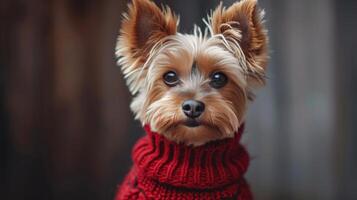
(66, 131)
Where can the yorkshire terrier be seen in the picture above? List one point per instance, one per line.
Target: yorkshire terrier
(191, 93)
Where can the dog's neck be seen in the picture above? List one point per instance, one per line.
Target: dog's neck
(211, 166)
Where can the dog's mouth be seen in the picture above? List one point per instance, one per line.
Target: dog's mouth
(191, 123)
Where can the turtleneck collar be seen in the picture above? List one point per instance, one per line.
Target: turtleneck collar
(214, 165)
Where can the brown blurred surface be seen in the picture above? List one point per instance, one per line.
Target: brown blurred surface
(65, 101)
(66, 130)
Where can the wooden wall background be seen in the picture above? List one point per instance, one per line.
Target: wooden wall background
(65, 101)
(66, 131)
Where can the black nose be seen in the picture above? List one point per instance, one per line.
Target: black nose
(193, 108)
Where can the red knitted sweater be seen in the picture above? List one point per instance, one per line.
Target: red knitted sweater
(166, 170)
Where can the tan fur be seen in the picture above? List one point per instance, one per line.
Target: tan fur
(149, 46)
(243, 22)
(143, 26)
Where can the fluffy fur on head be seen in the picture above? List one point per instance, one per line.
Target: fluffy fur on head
(149, 46)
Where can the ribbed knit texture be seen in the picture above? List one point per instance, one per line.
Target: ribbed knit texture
(166, 170)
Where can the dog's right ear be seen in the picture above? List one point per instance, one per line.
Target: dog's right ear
(143, 26)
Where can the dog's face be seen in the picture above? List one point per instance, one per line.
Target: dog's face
(192, 88)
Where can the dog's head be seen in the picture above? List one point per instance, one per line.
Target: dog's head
(192, 88)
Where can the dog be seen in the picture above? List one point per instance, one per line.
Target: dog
(190, 92)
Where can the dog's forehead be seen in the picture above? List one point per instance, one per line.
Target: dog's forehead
(190, 53)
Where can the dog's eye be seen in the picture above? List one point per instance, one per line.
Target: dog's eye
(218, 80)
(171, 78)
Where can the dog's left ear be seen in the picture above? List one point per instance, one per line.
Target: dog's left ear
(143, 26)
(243, 23)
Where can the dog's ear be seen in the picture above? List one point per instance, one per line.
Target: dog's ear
(143, 26)
(242, 23)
